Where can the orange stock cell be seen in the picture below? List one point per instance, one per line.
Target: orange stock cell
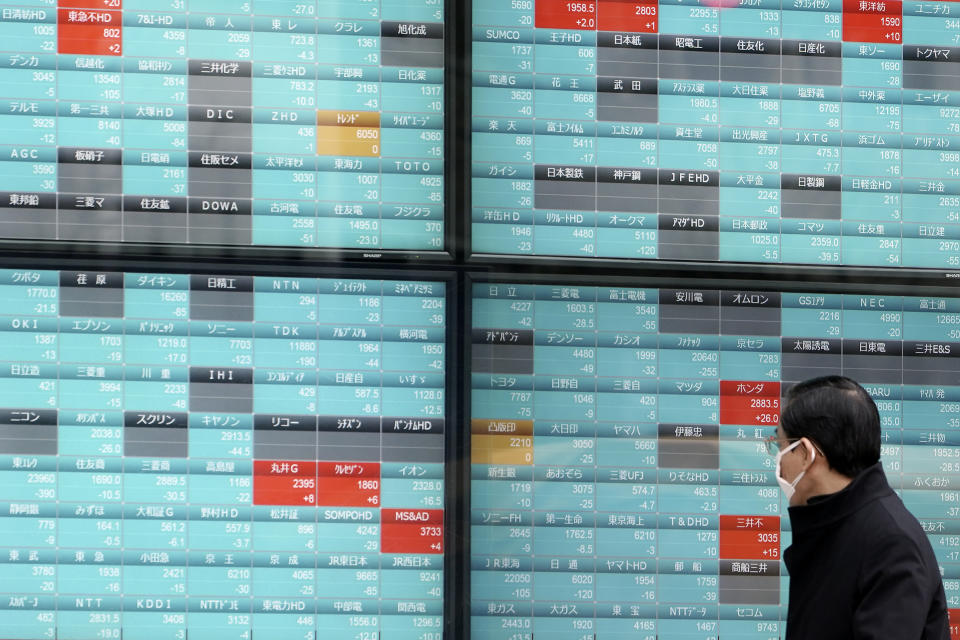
(501, 449)
(627, 16)
(326, 117)
(348, 141)
(502, 427)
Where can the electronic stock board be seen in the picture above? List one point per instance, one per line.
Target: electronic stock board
(821, 132)
(621, 486)
(221, 456)
(287, 123)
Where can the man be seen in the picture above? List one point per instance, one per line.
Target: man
(860, 565)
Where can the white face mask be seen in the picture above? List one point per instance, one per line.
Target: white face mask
(789, 488)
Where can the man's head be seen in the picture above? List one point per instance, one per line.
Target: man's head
(837, 427)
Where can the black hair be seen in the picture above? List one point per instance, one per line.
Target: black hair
(839, 417)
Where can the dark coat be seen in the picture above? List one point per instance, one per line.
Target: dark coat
(861, 568)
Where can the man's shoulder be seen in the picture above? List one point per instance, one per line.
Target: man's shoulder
(886, 521)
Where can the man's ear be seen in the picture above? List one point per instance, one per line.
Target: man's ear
(810, 453)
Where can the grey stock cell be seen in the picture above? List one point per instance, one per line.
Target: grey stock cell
(859, 369)
(749, 68)
(215, 91)
(688, 446)
(689, 65)
(627, 197)
(155, 442)
(89, 178)
(221, 397)
(937, 76)
(800, 366)
(502, 358)
(224, 184)
(627, 107)
(697, 201)
(222, 137)
(354, 447)
(810, 205)
(411, 448)
(686, 245)
(282, 452)
(347, 454)
(412, 52)
(284, 445)
(752, 590)
(223, 230)
(91, 303)
(20, 439)
(811, 70)
(35, 224)
(220, 182)
(690, 323)
(101, 226)
(573, 195)
(750, 321)
(929, 370)
(684, 456)
(146, 227)
(284, 438)
(222, 305)
(632, 63)
(154, 450)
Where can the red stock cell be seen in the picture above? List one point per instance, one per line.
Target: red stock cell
(872, 7)
(284, 482)
(871, 25)
(565, 14)
(954, 615)
(348, 484)
(749, 402)
(627, 16)
(411, 531)
(281, 468)
(876, 21)
(89, 32)
(749, 537)
(298, 492)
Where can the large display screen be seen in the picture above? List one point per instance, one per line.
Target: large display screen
(220, 456)
(804, 131)
(621, 487)
(223, 122)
